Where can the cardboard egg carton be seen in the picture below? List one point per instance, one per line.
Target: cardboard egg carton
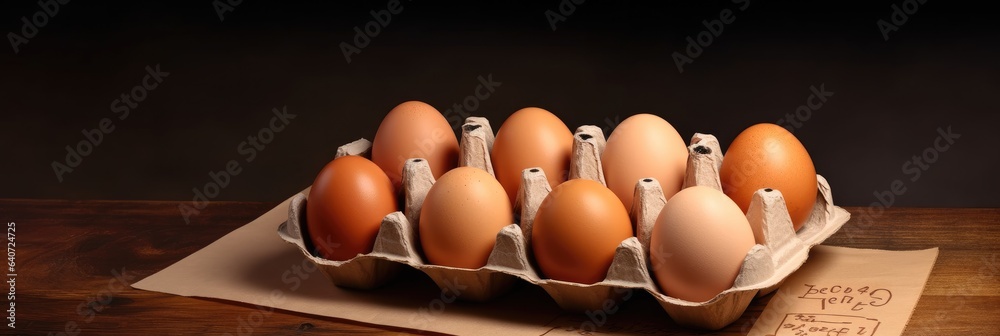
(397, 244)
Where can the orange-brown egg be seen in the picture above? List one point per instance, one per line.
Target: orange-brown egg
(461, 216)
(698, 244)
(531, 137)
(348, 200)
(768, 156)
(576, 231)
(414, 130)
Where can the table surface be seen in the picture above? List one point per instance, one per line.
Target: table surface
(73, 256)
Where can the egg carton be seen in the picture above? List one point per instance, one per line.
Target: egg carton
(764, 268)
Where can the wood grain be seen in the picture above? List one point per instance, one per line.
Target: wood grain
(69, 253)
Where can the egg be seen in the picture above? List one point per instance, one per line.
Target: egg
(698, 244)
(531, 137)
(461, 216)
(414, 130)
(768, 156)
(644, 145)
(345, 207)
(576, 230)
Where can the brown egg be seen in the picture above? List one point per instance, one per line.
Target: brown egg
(644, 145)
(348, 200)
(531, 137)
(698, 244)
(576, 231)
(768, 156)
(461, 216)
(414, 130)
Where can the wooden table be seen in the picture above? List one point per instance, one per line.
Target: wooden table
(72, 258)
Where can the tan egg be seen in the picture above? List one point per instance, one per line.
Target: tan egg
(768, 156)
(461, 216)
(414, 130)
(576, 231)
(348, 200)
(531, 137)
(644, 145)
(698, 244)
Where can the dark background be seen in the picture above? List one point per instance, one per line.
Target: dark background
(606, 61)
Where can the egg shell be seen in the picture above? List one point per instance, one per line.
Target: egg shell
(644, 145)
(769, 156)
(461, 216)
(698, 244)
(360, 272)
(414, 129)
(531, 137)
(764, 268)
(350, 197)
(576, 230)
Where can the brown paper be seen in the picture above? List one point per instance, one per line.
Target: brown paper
(845, 291)
(246, 257)
(253, 265)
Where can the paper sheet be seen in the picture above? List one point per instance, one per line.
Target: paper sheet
(253, 265)
(843, 291)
